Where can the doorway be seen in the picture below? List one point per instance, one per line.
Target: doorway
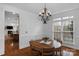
(11, 32)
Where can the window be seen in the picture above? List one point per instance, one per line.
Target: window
(63, 30)
(68, 31)
(57, 26)
(57, 30)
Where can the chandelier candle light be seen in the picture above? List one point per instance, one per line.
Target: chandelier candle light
(45, 14)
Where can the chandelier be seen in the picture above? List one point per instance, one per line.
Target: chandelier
(45, 14)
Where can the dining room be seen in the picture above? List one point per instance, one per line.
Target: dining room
(39, 29)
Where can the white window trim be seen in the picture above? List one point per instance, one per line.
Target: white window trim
(65, 31)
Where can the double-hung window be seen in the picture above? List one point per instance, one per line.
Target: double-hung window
(63, 29)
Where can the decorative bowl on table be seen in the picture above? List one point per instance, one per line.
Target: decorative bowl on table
(45, 39)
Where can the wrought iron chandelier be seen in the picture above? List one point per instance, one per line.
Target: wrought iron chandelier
(45, 14)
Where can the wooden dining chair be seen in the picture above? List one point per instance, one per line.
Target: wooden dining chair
(35, 50)
(47, 52)
(58, 51)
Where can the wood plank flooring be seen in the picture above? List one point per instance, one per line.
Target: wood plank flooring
(27, 52)
(14, 51)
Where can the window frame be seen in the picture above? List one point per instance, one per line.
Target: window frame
(61, 32)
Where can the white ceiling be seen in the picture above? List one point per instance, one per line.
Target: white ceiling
(37, 7)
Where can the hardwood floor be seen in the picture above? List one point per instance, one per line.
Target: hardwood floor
(20, 52)
(27, 52)
(74, 51)
(14, 51)
(11, 46)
